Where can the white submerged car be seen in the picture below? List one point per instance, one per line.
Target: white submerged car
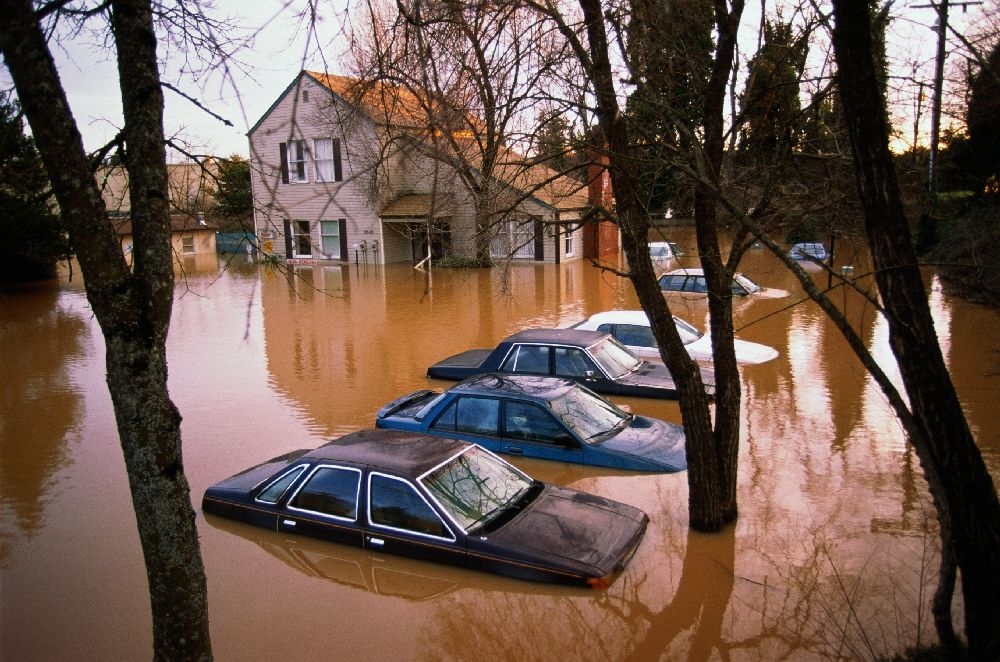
(631, 328)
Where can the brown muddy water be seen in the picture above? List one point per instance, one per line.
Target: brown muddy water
(833, 556)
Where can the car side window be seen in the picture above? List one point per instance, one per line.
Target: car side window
(273, 492)
(396, 504)
(675, 283)
(573, 362)
(634, 334)
(528, 421)
(331, 491)
(533, 359)
(696, 284)
(475, 415)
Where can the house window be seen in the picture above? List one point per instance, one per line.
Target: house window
(301, 239)
(568, 243)
(327, 158)
(514, 239)
(330, 241)
(293, 161)
(187, 245)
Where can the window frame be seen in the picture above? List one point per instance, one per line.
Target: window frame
(327, 169)
(296, 470)
(336, 252)
(317, 513)
(372, 475)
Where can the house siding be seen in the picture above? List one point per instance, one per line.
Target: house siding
(305, 112)
(308, 110)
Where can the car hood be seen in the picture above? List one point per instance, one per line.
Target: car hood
(655, 441)
(656, 375)
(576, 529)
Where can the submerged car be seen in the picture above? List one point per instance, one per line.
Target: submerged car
(551, 418)
(808, 251)
(594, 359)
(435, 499)
(631, 328)
(692, 281)
(662, 251)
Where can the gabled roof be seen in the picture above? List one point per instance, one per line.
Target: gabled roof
(178, 223)
(402, 108)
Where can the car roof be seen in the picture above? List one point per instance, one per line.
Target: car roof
(637, 317)
(575, 337)
(686, 272)
(538, 386)
(410, 453)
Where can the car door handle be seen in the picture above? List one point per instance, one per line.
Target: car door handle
(378, 542)
(288, 522)
(514, 450)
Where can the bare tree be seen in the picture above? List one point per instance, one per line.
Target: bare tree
(133, 306)
(474, 72)
(947, 450)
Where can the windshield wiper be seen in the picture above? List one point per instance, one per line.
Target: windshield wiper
(506, 512)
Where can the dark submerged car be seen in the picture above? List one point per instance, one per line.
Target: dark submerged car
(436, 499)
(593, 358)
(551, 418)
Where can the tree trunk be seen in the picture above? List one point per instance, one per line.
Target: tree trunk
(723, 460)
(711, 462)
(133, 308)
(946, 447)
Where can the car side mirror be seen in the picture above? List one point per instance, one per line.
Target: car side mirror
(589, 375)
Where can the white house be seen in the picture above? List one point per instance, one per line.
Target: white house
(340, 168)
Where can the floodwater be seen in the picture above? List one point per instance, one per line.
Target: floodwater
(833, 556)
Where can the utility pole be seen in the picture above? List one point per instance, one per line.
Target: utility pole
(928, 220)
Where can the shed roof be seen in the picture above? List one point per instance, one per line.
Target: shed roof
(178, 223)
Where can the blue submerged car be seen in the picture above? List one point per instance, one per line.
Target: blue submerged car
(550, 418)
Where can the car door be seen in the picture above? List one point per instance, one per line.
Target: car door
(576, 364)
(400, 520)
(636, 337)
(531, 430)
(527, 359)
(325, 505)
(472, 418)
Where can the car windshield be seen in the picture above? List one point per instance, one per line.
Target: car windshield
(590, 416)
(475, 486)
(614, 358)
(687, 332)
(748, 285)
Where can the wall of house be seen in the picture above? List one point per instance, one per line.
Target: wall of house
(308, 111)
(202, 243)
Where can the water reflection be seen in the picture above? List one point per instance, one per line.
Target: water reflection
(39, 403)
(835, 546)
(381, 574)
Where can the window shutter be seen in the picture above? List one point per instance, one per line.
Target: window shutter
(283, 152)
(288, 234)
(338, 173)
(342, 223)
(540, 241)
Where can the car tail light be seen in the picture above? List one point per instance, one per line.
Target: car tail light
(599, 583)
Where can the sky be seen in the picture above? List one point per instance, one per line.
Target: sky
(282, 47)
(257, 76)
